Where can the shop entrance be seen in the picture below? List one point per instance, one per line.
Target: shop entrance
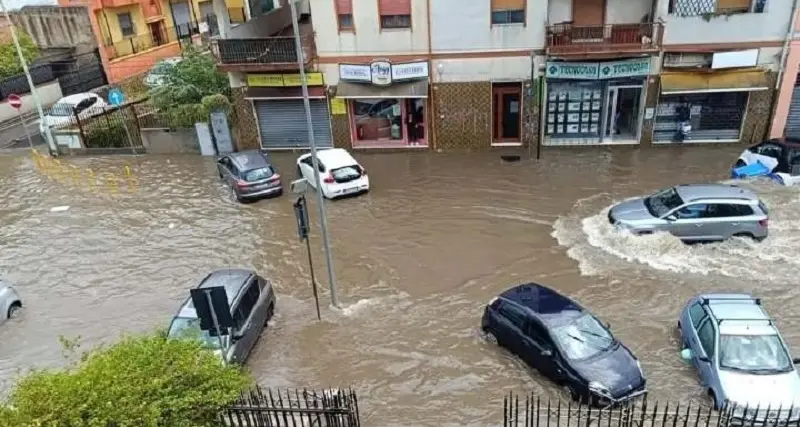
(506, 113)
(388, 122)
(623, 105)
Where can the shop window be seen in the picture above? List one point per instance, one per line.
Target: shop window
(713, 116)
(126, 24)
(574, 110)
(390, 122)
(715, 7)
(508, 12)
(344, 14)
(395, 13)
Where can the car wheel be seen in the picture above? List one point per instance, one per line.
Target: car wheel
(713, 397)
(14, 310)
(489, 335)
(570, 392)
(270, 311)
(745, 235)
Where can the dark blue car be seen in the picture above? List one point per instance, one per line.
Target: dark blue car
(564, 342)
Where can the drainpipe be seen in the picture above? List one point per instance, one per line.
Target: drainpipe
(786, 43)
(432, 110)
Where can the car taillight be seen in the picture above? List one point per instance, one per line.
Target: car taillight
(764, 222)
(328, 179)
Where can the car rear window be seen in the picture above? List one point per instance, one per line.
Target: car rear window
(258, 174)
(346, 174)
(763, 207)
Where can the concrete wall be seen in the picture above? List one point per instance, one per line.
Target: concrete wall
(48, 93)
(771, 25)
(788, 80)
(53, 27)
(617, 11)
(451, 19)
(165, 141)
(369, 39)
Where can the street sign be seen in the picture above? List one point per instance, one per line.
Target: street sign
(116, 97)
(211, 305)
(14, 101)
(301, 215)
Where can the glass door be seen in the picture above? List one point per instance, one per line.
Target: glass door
(622, 115)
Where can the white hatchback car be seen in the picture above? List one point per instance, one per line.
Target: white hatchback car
(340, 173)
(84, 105)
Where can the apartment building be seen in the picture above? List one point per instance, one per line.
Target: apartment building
(422, 74)
(134, 35)
(786, 117)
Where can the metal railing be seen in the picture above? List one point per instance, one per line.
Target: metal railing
(293, 408)
(142, 42)
(568, 38)
(268, 50)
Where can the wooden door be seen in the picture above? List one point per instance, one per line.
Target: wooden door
(507, 112)
(587, 13)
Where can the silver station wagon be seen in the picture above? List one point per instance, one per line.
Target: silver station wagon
(695, 213)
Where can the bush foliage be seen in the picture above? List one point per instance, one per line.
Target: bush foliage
(146, 381)
(9, 59)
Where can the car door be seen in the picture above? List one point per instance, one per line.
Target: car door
(540, 353)
(228, 171)
(242, 314)
(685, 222)
(690, 322)
(510, 334)
(705, 357)
(307, 171)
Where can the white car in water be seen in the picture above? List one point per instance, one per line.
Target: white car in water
(340, 174)
(778, 159)
(83, 105)
(10, 302)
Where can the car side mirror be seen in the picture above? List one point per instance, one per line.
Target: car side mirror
(547, 353)
(796, 361)
(236, 336)
(704, 359)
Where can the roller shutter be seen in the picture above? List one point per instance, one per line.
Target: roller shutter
(793, 118)
(283, 123)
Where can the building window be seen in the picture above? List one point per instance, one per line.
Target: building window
(508, 12)
(126, 24)
(716, 116)
(344, 14)
(395, 13)
(715, 7)
(389, 122)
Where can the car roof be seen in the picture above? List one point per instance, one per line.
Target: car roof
(549, 306)
(76, 98)
(738, 313)
(335, 157)
(232, 279)
(250, 159)
(693, 192)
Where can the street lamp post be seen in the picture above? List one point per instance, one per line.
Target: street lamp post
(42, 125)
(315, 161)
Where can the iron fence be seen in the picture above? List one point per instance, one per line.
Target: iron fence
(531, 411)
(293, 408)
(142, 42)
(268, 50)
(116, 127)
(18, 83)
(710, 7)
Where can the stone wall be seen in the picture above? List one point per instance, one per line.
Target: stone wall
(340, 128)
(759, 113)
(166, 141)
(55, 27)
(245, 129)
(653, 90)
(530, 114)
(463, 114)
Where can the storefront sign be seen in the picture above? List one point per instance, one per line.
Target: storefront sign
(383, 73)
(283, 80)
(598, 70)
(338, 106)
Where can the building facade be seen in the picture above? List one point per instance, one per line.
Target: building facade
(134, 35)
(786, 118)
(421, 74)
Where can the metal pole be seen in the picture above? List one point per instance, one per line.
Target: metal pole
(216, 327)
(42, 126)
(24, 126)
(311, 268)
(315, 161)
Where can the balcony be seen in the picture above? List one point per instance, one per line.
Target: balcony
(109, 4)
(566, 39)
(265, 43)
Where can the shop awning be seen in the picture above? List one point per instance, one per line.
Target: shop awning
(731, 81)
(398, 90)
(283, 92)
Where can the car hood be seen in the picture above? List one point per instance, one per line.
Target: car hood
(630, 210)
(616, 369)
(743, 389)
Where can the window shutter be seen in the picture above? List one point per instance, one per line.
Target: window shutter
(737, 5)
(394, 7)
(344, 7)
(508, 4)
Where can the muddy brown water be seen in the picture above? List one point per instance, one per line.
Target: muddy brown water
(416, 260)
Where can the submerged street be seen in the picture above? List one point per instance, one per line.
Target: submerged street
(416, 261)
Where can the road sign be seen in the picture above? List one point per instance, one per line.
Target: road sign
(116, 97)
(14, 101)
(211, 305)
(301, 215)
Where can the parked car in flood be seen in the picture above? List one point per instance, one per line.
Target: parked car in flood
(742, 359)
(250, 175)
(10, 302)
(340, 173)
(252, 303)
(778, 159)
(81, 105)
(564, 342)
(695, 213)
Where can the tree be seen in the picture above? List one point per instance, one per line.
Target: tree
(191, 88)
(147, 381)
(9, 59)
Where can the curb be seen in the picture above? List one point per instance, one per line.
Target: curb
(10, 123)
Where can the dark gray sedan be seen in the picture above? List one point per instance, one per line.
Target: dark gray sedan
(250, 175)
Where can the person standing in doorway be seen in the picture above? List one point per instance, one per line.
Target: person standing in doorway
(419, 123)
(411, 125)
(683, 113)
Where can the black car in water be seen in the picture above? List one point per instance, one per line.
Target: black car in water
(564, 342)
(250, 175)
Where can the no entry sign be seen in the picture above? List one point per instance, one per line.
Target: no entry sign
(14, 101)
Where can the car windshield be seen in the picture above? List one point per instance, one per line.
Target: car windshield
(258, 174)
(346, 174)
(189, 328)
(61, 109)
(753, 353)
(662, 202)
(583, 338)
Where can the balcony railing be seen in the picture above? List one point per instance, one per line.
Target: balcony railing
(566, 38)
(262, 54)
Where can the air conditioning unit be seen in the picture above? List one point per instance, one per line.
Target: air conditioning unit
(687, 60)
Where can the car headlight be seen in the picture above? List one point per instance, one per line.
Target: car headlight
(598, 388)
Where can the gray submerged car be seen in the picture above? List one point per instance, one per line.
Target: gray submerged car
(695, 213)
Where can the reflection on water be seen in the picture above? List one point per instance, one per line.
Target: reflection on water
(416, 260)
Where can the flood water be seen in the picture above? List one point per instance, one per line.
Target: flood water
(416, 260)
